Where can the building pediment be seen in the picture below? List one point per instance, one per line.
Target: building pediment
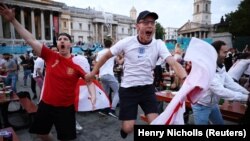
(37, 4)
(189, 25)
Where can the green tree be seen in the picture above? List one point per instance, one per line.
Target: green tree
(239, 21)
(159, 33)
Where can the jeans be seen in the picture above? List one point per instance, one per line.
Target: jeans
(109, 81)
(11, 80)
(27, 73)
(203, 115)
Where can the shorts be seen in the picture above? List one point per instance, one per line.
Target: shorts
(131, 97)
(62, 117)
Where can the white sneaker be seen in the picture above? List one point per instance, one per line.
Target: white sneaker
(112, 113)
(102, 113)
(78, 126)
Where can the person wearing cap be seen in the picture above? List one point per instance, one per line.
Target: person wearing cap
(63, 71)
(141, 53)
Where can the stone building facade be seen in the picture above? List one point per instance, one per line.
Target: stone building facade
(46, 19)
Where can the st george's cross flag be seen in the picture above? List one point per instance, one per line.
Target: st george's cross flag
(203, 57)
(82, 101)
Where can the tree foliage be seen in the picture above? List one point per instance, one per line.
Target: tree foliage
(159, 33)
(239, 21)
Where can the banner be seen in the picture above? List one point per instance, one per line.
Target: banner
(203, 57)
(82, 101)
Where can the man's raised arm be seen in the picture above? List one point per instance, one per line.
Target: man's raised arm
(98, 65)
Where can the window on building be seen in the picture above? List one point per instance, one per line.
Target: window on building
(71, 25)
(72, 38)
(80, 26)
(80, 38)
(89, 27)
(206, 8)
(197, 9)
(65, 24)
(122, 30)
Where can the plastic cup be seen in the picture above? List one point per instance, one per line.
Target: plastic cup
(221, 101)
(7, 94)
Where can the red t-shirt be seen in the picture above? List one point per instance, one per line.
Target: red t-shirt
(61, 77)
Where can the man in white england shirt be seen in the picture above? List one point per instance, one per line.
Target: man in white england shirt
(141, 53)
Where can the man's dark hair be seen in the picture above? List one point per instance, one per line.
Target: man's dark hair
(22, 57)
(108, 43)
(6, 54)
(243, 55)
(65, 34)
(217, 45)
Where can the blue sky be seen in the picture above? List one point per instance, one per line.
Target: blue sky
(172, 13)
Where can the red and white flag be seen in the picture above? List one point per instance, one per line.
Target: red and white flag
(82, 101)
(203, 57)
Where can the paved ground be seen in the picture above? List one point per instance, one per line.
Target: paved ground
(95, 126)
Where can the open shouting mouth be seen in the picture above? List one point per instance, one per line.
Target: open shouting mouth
(149, 33)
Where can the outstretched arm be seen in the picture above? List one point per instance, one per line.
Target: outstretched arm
(91, 89)
(9, 15)
(97, 66)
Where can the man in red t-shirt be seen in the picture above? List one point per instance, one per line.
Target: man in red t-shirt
(62, 73)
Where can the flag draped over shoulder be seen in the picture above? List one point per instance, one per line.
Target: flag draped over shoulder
(82, 101)
(203, 57)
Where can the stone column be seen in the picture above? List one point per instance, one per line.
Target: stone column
(42, 26)
(102, 34)
(1, 27)
(111, 30)
(12, 32)
(69, 26)
(22, 17)
(96, 36)
(116, 30)
(200, 35)
(51, 26)
(204, 34)
(33, 23)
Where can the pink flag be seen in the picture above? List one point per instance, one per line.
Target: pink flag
(203, 57)
(82, 101)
